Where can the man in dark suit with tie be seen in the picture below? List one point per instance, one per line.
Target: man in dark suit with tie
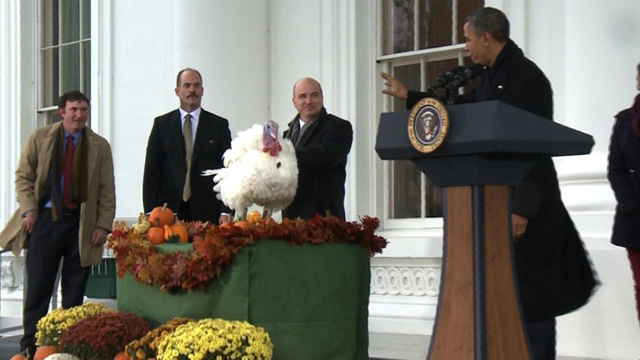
(182, 144)
(322, 143)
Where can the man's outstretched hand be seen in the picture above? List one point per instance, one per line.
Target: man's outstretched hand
(396, 88)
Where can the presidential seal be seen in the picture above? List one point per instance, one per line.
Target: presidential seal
(428, 125)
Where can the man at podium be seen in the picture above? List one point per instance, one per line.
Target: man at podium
(554, 275)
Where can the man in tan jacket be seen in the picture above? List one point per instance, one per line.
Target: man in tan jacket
(66, 193)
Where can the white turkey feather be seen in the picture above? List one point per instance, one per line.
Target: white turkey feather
(243, 142)
(253, 176)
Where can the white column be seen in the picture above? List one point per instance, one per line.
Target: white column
(589, 53)
(10, 116)
(101, 68)
(235, 73)
(16, 119)
(338, 78)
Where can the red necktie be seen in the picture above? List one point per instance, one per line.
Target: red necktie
(67, 194)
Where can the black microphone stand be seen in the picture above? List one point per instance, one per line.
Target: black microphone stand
(452, 96)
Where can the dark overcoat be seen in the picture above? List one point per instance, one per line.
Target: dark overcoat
(165, 166)
(322, 151)
(553, 272)
(624, 176)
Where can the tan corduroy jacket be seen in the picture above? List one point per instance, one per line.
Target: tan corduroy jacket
(97, 211)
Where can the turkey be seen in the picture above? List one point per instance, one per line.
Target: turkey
(258, 169)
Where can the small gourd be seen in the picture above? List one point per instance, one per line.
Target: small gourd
(176, 233)
(254, 216)
(62, 356)
(142, 226)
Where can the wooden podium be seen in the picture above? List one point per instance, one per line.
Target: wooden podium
(490, 146)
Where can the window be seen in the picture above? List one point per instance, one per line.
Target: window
(420, 40)
(65, 53)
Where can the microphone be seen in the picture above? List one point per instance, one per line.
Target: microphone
(464, 76)
(446, 78)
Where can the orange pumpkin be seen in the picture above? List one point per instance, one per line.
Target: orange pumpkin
(44, 351)
(156, 235)
(176, 233)
(161, 216)
(18, 357)
(122, 356)
(181, 230)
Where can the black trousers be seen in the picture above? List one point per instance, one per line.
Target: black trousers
(49, 243)
(542, 338)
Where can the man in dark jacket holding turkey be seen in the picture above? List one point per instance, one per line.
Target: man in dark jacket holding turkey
(322, 143)
(553, 273)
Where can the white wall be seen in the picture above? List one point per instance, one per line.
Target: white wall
(17, 94)
(9, 103)
(295, 53)
(589, 50)
(318, 39)
(227, 41)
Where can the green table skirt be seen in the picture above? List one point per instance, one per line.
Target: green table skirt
(312, 299)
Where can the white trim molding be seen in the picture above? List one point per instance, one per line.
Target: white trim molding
(10, 102)
(405, 280)
(404, 294)
(101, 68)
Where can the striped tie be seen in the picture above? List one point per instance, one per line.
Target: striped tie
(188, 142)
(67, 192)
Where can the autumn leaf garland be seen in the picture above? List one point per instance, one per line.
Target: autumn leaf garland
(214, 248)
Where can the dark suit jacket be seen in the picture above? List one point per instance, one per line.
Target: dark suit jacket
(322, 153)
(166, 166)
(624, 175)
(554, 274)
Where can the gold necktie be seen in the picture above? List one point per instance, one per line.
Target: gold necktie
(188, 142)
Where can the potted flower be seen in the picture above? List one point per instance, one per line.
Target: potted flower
(54, 324)
(216, 339)
(103, 336)
(147, 346)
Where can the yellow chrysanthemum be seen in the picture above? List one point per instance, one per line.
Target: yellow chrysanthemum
(216, 337)
(55, 323)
